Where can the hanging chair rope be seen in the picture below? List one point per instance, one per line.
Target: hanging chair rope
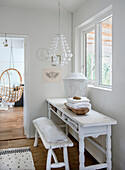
(9, 93)
(11, 56)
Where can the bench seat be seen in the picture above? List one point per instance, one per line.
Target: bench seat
(52, 137)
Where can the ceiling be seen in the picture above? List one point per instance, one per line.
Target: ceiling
(70, 5)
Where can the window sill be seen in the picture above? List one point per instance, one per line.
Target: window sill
(100, 88)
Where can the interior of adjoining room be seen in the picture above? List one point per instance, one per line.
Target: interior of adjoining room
(12, 62)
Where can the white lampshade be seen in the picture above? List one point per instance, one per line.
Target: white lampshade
(75, 84)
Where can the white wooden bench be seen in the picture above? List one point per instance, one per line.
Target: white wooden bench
(52, 137)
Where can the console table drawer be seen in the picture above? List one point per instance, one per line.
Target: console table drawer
(96, 129)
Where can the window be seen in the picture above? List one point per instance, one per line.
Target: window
(97, 51)
(90, 54)
(106, 52)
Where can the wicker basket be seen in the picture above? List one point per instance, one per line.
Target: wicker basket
(81, 111)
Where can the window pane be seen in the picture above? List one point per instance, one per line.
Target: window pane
(106, 52)
(90, 55)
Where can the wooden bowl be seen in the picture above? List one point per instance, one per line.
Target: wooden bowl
(81, 111)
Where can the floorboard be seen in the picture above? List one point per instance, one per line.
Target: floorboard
(11, 124)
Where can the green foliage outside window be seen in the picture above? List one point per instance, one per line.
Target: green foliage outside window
(90, 71)
(105, 69)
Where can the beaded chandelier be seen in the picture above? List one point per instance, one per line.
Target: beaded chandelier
(59, 52)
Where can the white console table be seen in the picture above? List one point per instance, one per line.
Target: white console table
(93, 124)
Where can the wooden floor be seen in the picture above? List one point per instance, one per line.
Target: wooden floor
(40, 153)
(11, 124)
(11, 132)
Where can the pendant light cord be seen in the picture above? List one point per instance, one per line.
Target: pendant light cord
(59, 16)
(11, 56)
(59, 22)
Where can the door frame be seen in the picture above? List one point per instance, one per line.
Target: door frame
(26, 78)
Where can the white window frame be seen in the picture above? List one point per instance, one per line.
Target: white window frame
(100, 53)
(84, 51)
(94, 25)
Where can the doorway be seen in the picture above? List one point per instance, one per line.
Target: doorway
(12, 55)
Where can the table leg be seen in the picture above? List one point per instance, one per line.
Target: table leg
(81, 152)
(67, 132)
(49, 111)
(108, 148)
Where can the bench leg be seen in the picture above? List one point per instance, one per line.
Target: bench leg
(65, 154)
(54, 157)
(36, 139)
(48, 164)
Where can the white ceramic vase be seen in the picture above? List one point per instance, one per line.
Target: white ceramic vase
(75, 84)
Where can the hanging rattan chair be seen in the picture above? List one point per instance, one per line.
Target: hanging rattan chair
(11, 85)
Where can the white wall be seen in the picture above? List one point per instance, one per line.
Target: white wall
(110, 103)
(41, 27)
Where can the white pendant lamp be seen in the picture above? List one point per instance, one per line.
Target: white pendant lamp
(59, 52)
